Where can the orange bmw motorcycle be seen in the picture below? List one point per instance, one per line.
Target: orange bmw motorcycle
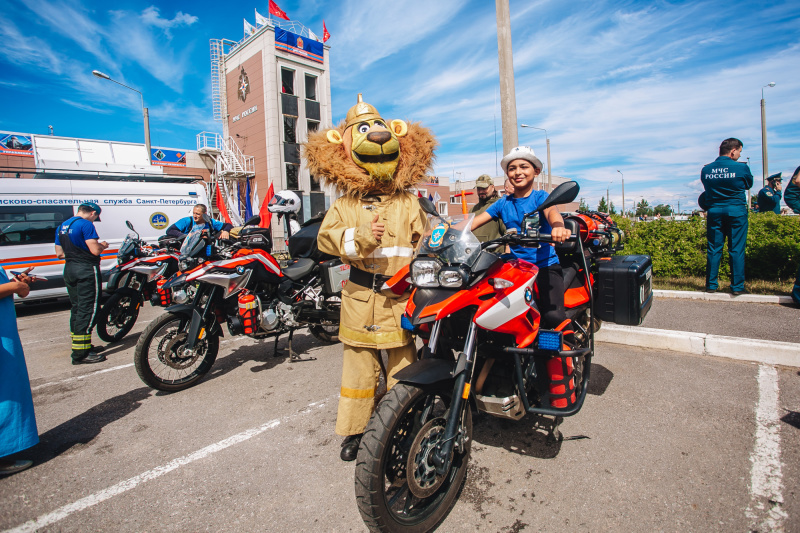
(484, 349)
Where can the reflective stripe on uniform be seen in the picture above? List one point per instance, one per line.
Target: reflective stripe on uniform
(398, 337)
(350, 243)
(357, 394)
(98, 287)
(392, 251)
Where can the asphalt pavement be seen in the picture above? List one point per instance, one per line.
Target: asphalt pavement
(666, 441)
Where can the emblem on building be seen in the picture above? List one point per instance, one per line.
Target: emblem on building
(299, 42)
(244, 85)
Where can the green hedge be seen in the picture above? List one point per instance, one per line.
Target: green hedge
(678, 248)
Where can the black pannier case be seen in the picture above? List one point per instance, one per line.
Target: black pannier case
(624, 289)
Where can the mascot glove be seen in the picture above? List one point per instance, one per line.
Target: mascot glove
(365, 240)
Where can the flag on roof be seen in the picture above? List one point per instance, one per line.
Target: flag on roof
(261, 20)
(249, 29)
(275, 10)
(312, 35)
(325, 34)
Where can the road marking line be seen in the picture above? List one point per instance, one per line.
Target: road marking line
(37, 387)
(128, 484)
(766, 483)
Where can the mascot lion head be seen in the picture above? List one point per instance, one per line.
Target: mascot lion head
(366, 154)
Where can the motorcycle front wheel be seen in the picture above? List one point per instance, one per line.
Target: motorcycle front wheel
(397, 489)
(117, 317)
(161, 361)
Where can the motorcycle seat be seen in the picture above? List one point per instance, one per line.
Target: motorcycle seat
(299, 269)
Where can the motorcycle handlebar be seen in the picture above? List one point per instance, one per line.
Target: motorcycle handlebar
(523, 239)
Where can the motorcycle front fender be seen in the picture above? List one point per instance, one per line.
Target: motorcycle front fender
(426, 372)
(178, 309)
(114, 276)
(132, 293)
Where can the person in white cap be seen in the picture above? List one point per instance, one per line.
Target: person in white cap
(522, 166)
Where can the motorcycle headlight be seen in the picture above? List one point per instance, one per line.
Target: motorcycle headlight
(425, 272)
(184, 265)
(180, 297)
(453, 278)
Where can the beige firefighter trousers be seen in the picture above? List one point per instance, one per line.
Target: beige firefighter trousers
(361, 371)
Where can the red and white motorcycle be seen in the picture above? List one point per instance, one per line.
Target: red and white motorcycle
(484, 346)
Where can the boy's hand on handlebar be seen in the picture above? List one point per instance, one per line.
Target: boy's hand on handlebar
(224, 235)
(560, 234)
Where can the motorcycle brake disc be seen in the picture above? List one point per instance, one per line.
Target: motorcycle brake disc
(421, 472)
(170, 355)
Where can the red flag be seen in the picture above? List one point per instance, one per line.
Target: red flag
(278, 12)
(220, 203)
(325, 33)
(419, 194)
(266, 216)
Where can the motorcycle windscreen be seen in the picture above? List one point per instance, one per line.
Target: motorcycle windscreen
(194, 243)
(449, 239)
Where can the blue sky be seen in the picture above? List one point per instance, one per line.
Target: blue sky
(648, 88)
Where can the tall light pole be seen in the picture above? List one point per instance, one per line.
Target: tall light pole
(508, 98)
(145, 113)
(764, 165)
(549, 174)
(623, 193)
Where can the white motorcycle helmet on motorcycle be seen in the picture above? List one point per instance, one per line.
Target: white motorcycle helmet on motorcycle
(284, 202)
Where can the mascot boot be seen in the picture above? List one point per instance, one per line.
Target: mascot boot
(371, 227)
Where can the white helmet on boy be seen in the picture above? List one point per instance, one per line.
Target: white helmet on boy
(284, 202)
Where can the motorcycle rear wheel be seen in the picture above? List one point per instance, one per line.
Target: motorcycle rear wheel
(385, 499)
(118, 316)
(326, 333)
(158, 358)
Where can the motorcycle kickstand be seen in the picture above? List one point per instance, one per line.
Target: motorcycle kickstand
(275, 347)
(554, 435)
(294, 356)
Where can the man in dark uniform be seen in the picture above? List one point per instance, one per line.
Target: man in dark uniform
(726, 182)
(487, 195)
(792, 199)
(769, 198)
(78, 244)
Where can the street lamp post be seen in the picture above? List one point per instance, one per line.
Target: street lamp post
(623, 193)
(145, 112)
(549, 175)
(764, 165)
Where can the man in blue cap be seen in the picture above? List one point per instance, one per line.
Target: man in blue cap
(769, 198)
(725, 182)
(78, 244)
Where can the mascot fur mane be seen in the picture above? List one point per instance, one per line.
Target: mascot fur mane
(332, 162)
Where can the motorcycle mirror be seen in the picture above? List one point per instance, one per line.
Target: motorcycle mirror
(253, 221)
(563, 194)
(130, 226)
(428, 206)
(207, 219)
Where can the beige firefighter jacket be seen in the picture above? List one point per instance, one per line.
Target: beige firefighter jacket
(370, 319)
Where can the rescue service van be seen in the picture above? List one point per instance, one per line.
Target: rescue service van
(32, 209)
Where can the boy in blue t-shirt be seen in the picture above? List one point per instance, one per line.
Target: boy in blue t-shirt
(522, 166)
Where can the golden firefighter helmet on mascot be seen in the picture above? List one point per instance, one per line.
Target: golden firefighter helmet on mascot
(367, 154)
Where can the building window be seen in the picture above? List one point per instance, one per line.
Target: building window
(291, 177)
(311, 87)
(313, 125)
(442, 208)
(21, 225)
(289, 129)
(454, 200)
(287, 81)
(314, 184)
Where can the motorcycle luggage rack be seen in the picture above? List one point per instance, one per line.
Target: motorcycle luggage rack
(563, 355)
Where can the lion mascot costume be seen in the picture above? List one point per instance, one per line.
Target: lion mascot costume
(372, 227)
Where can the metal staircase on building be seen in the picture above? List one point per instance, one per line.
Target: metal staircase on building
(231, 165)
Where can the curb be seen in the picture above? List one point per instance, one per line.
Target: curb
(759, 351)
(725, 297)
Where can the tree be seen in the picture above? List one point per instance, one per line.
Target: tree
(602, 206)
(663, 210)
(643, 209)
(584, 206)
(611, 210)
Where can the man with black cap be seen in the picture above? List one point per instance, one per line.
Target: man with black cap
(78, 244)
(769, 198)
(487, 195)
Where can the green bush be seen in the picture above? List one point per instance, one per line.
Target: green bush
(679, 248)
